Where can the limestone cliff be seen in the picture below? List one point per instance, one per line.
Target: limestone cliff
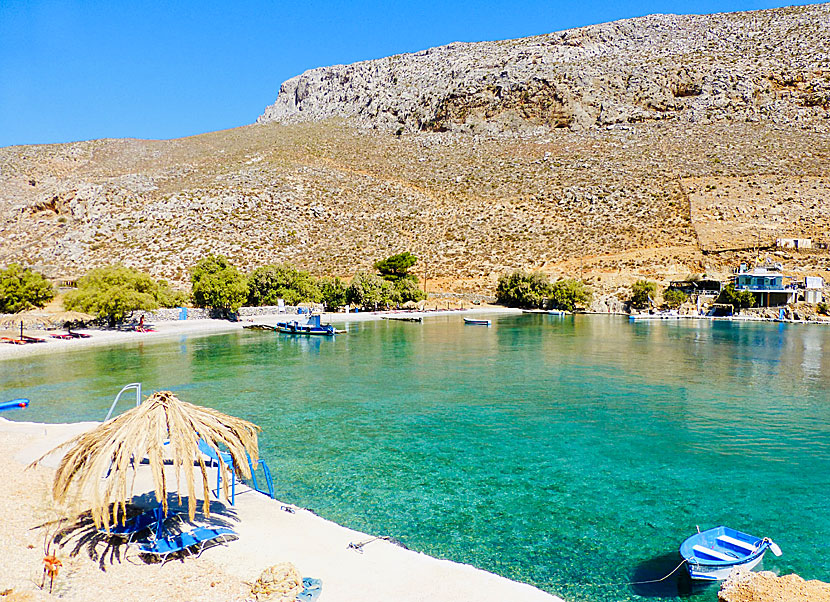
(764, 65)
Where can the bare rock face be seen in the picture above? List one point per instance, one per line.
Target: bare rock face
(747, 586)
(763, 65)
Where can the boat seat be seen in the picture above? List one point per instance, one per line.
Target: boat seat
(737, 544)
(713, 554)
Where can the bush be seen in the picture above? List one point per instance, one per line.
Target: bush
(521, 289)
(674, 298)
(268, 283)
(737, 299)
(216, 283)
(370, 291)
(407, 290)
(113, 292)
(332, 292)
(21, 288)
(568, 294)
(396, 267)
(642, 292)
(823, 309)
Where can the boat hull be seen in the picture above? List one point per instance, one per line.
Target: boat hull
(711, 555)
(305, 331)
(477, 322)
(703, 572)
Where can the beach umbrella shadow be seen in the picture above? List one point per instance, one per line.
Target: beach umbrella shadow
(82, 535)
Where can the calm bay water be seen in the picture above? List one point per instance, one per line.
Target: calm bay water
(566, 453)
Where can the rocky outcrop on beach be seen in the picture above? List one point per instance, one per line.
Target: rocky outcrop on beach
(749, 586)
(771, 65)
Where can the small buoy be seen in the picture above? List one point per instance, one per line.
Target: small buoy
(774, 548)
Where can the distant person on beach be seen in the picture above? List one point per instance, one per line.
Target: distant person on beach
(141, 324)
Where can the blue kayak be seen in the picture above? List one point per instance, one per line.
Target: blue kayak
(14, 404)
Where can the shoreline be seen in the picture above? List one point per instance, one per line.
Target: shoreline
(268, 534)
(206, 327)
(167, 329)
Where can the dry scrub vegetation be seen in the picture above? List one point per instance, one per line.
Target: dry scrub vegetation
(331, 198)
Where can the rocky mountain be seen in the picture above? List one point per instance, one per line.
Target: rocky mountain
(457, 155)
(769, 65)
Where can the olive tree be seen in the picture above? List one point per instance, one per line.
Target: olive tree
(21, 288)
(114, 291)
(218, 284)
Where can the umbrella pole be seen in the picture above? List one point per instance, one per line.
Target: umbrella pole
(21, 330)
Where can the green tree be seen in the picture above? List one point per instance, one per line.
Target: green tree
(169, 297)
(521, 289)
(642, 292)
(407, 290)
(333, 292)
(370, 291)
(674, 298)
(396, 267)
(218, 284)
(568, 294)
(269, 283)
(729, 295)
(21, 288)
(113, 292)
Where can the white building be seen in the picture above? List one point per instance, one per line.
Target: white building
(813, 286)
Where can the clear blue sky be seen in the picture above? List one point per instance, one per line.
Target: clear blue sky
(77, 70)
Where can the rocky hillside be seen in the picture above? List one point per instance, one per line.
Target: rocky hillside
(692, 191)
(769, 65)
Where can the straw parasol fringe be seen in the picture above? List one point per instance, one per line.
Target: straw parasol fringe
(112, 450)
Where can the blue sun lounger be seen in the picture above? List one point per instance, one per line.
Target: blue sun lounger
(193, 542)
(138, 523)
(227, 459)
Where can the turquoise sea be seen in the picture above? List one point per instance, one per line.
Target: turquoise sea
(571, 453)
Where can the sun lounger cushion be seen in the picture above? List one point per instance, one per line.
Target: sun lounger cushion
(709, 553)
(197, 538)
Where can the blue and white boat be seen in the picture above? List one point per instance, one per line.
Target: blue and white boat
(311, 326)
(477, 321)
(710, 555)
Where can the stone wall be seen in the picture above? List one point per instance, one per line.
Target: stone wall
(195, 313)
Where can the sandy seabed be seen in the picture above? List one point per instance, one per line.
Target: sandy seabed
(94, 568)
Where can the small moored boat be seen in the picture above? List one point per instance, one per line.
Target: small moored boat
(475, 321)
(710, 555)
(14, 404)
(311, 327)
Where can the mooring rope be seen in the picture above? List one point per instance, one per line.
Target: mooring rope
(617, 584)
(358, 547)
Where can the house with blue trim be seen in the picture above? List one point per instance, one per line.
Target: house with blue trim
(766, 283)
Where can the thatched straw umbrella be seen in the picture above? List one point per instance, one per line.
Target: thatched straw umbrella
(163, 427)
(28, 318)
